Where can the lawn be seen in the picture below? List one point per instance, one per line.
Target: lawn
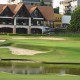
(67, 50)
(9, 76)
(56, 51)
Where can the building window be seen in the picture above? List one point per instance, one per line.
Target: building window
(36, 14)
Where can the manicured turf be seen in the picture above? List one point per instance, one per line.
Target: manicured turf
(7, 76)
(57, 51)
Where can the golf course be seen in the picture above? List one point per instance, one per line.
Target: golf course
(42, 49)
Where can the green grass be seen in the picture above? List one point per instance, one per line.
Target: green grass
(57, 51)
(6, 37)
(7, 76)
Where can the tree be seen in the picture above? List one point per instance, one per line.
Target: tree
(68, 13)
(42, 3)
(75, 21)
(56, 10)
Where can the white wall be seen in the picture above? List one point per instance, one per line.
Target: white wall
(61, 9)
(74, 5)
(66, 19)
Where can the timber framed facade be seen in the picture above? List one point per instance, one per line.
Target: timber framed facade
(25, 19)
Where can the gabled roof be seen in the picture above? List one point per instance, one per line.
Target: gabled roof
(30, 8)
(18, 7)
(12, 7)
(46, 11)
(3, 8)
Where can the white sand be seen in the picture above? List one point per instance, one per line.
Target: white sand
(44, 38)
(2, 40)
(20, 51)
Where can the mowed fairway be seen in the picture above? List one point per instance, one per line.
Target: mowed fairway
(36, 77)
(67, 50)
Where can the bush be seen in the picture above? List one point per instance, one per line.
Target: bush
(58, 30)
(75, 21)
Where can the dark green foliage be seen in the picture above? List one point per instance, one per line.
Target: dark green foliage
(68, 13)
(58, 31)
(75, 21)
(42, 2)
(56, 10)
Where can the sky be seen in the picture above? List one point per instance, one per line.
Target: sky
(56, 2)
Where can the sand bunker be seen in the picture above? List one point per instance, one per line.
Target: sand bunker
(44, 38)
(20, 51)
(2, 40)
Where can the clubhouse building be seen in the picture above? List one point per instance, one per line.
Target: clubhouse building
(25, 19)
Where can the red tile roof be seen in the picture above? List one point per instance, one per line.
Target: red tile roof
(12, 7)
(1, 8)
(4, 7)
(30, 8)
(17, 8)
(46, 11)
